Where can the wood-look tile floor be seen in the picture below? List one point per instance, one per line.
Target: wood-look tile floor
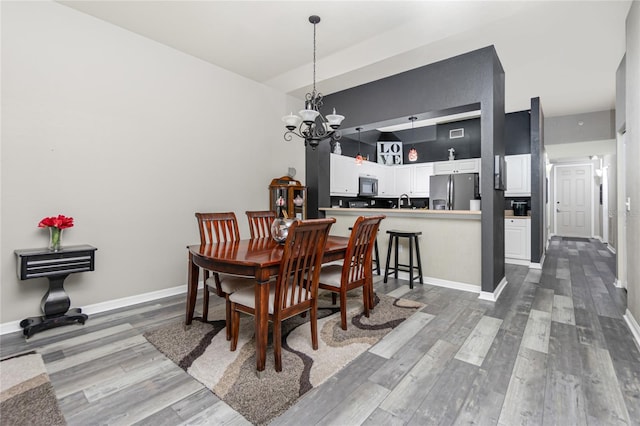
(553, 350)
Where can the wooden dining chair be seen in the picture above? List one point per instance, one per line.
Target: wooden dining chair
(218, 228)
(296, 286)
(357, 268)
(260, 223)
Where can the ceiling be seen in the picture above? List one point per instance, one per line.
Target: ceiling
(565, 52)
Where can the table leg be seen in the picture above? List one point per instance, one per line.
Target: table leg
(192, 289)
(262, 323)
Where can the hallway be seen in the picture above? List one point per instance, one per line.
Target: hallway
(559, 352)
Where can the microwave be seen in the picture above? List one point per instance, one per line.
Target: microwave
(368, 186)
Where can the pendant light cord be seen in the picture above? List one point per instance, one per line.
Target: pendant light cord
(314, 58)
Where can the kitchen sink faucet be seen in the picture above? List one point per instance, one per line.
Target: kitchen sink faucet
(400, 200)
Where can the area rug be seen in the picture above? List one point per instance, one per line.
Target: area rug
(203, 352)
(26, 394)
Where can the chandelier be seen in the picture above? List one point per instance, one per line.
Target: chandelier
(310, 124)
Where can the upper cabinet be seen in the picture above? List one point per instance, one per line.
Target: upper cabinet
(387, 181)
(422, 173)
(518, 175)
(343, 176)
(471, 165)
(413, 179)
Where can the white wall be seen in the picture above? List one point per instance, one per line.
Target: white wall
(633, 157)
(129, 137)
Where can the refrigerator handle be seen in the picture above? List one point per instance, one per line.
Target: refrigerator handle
(449, 192)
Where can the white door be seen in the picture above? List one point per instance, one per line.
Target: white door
(574, 201)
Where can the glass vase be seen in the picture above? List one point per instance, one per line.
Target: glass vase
(55, 238)
(280, 229)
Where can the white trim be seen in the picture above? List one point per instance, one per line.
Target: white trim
(522, 262)
(493, 297)
(13, 326)
(618, 283)
(633, 326)
(534, 265)
(455, 285)
(611, 249)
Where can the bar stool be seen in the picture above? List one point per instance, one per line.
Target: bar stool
(375, 251)
(413, 238)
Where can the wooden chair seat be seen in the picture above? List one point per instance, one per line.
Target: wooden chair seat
(246, 297)
(331, 275)
(231, 283)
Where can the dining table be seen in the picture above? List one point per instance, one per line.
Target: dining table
(259, 258)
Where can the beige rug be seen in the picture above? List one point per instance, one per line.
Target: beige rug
(203, 352)
(26, 394)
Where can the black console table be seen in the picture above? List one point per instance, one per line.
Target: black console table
(56, 266)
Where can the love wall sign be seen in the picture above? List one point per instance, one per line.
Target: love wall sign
(390, 153)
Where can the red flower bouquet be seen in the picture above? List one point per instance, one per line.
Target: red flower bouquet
(60, 222)
(56, 225)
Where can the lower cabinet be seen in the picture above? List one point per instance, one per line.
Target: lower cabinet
(517, 239)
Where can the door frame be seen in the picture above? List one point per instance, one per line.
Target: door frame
(604, 181)
(621, 249)
(555, 193)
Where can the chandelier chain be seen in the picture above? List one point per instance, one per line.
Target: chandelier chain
(314, 58)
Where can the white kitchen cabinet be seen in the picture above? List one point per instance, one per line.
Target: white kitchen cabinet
(403, 179)
(413, 179)
(471, 165)
(367, 168)
(422, 173)
(386, 181)
(518, 175)
(517, 240)
(343, 176)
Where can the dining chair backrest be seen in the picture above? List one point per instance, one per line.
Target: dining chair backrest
(217, 227)
(260, 223)
(297, 281)
(357, 261)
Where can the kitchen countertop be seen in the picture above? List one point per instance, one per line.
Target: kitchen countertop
(426, 213)
(508, 214)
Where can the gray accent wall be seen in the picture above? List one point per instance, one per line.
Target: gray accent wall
(538, 181)
(471, 81)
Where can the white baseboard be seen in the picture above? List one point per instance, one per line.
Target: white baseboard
(611, 248)
(618, 283)
(521, 262)
(493, 297)
(534, 265)
(440, 282)
(633, 326)
(13, 326)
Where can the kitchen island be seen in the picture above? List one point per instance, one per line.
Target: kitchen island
(450, 244)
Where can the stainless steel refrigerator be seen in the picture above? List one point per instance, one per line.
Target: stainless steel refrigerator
(453, 192)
